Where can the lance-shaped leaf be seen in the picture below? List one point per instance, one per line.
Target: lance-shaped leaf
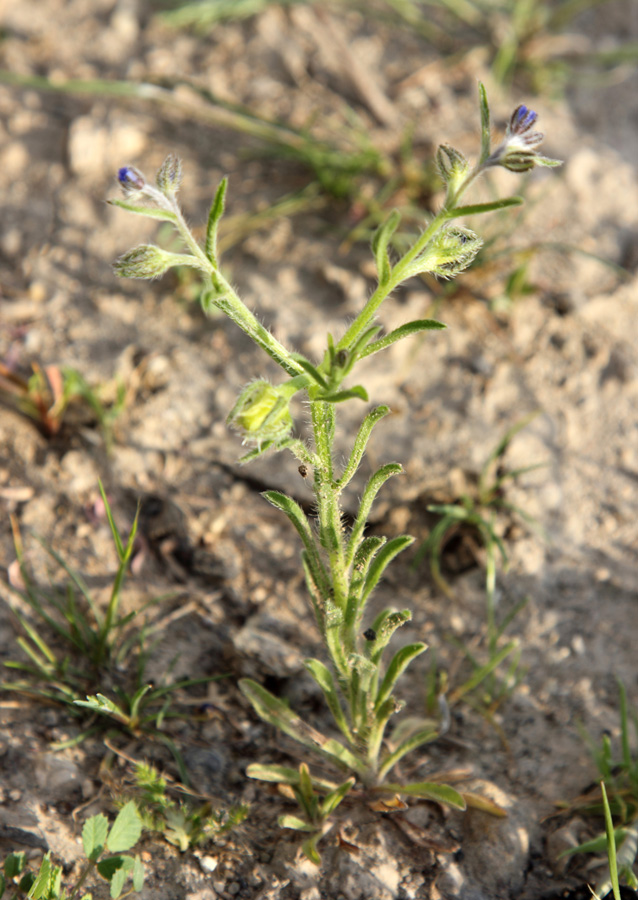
(403, 331)
(101, 704)
(428, 790)
(384, 626)
(482, 672)
(416, 740)
(478, 801)
(381, 717)
(382, 560)
(277, 713)
(372, 488)
(298, 518)
(164, 215)
(295, 822)
(361, 442)
(380, 242)
(368, 548)
(325, 679)
(358, 392)
(314, 373)
(214, 216)
(486, 137)
(357, 349)
(332, 801)
(475, 209)
(285, 775)
(400, 661)
(309, 847)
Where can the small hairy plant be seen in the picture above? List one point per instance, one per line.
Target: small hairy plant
(105, 849)
(342, 565)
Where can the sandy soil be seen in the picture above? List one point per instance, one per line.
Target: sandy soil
(227, 561)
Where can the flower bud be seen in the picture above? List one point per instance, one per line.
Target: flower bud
(452, 166)
(451, 251)
(130, 179)
(146, 261)
(169, 176)
(261, 413)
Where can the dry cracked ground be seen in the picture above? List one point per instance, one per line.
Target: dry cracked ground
(224, 563)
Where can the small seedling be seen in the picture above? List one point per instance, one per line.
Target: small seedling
(47, 395)
(184, 824)
(316, 811)
(74, 647)
(477, 514)
(616, 797)
(105, 849)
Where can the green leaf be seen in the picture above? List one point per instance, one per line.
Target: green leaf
(284, 775)
(94, 836)
(305, 791)
(309, 847)
(403, 331)
(382, 560)
(126, 829)
(368, 547)
(334, 798)
(478, 801)
(138, 874)
(400, 661)
(596, 845)
(325, 679)
(314, 373)
(482, 672)
(40, 887)
(486, 137)
(384, 626)
(298, 518)
(356, 393)
(152, 212)
(277, 713)
(428, 790)
(118, 875)
(14, 864)
(361, 442)
(611, 844)
(380, 243)
(101, 704)
(214, 216)
(296, 823)
(475, 209)
(372, 488)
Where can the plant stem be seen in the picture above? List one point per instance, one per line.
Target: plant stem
(229, 303)
(398, 274)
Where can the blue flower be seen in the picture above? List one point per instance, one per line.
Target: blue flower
(130, 178)
(518, 149)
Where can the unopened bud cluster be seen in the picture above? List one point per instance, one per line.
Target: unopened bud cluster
(261, 413)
